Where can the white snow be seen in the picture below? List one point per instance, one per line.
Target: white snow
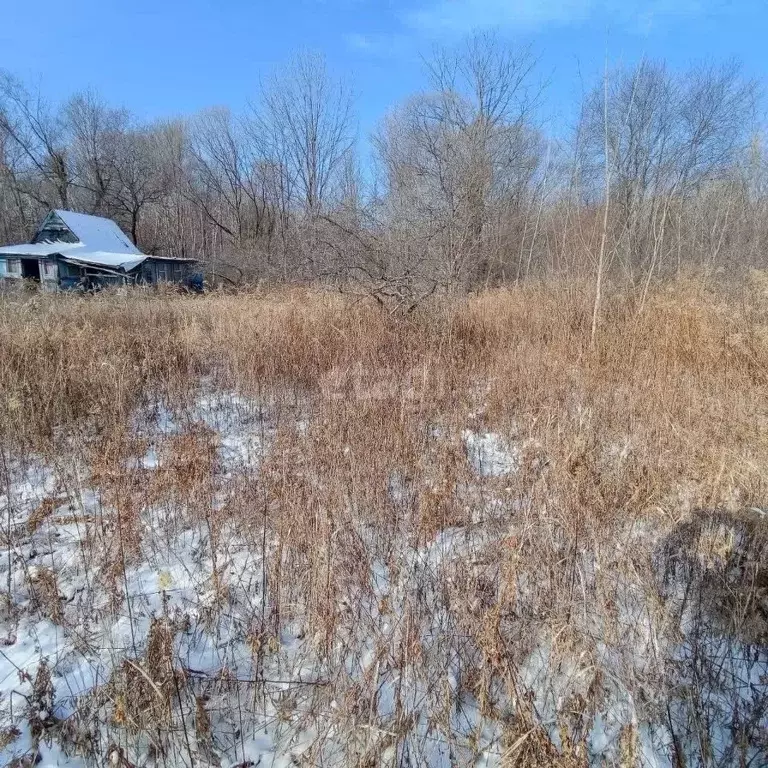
(489, 454)
(210, 584)
(97, 233)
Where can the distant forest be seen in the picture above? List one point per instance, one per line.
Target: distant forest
(663, 170)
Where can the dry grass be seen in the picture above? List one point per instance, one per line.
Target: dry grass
(681, 388)
(618, 451)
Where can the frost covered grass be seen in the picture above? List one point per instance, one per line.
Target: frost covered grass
(286, 528)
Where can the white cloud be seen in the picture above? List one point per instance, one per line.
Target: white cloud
(441, 17)
(461, 15)
(446, 20)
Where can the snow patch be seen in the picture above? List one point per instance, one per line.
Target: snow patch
(489, 454)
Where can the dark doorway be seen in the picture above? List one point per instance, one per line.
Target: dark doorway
(30, 269)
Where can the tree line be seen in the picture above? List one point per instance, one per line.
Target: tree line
(466, 187)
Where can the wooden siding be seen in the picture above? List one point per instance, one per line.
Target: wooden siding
(54, 230)
(57, 272)
(160, 271)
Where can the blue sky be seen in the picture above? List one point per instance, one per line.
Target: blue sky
(167, 57)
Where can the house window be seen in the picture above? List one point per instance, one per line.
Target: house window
(13, 267)
(177, 273)
(48, 270)
(162, 272)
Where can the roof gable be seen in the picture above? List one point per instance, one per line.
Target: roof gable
(54, 230)
(94, 232)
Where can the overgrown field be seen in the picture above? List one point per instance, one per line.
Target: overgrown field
(290, 528)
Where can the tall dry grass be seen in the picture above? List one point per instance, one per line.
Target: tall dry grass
(639, 461)
(682, 384)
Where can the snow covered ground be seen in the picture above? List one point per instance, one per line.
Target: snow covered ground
(160, 644)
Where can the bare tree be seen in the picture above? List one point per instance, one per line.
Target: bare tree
(17, 210)
(459, 154)
(465, 188)
(305, 120)
(606, 207)
(140, 177)
(667, 135)
(239, 189)
(39, 135)
(96, 133)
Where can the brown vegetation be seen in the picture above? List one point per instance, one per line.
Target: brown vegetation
(468, 185)
(477, 472)
(632, 497)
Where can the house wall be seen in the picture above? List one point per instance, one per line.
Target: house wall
(55, 273)
(156, 271)
(66, 278)
(7, 271)
(49, 274)
(12, 270)
(70, 276)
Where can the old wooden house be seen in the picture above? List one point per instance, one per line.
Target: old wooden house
(73, 250)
